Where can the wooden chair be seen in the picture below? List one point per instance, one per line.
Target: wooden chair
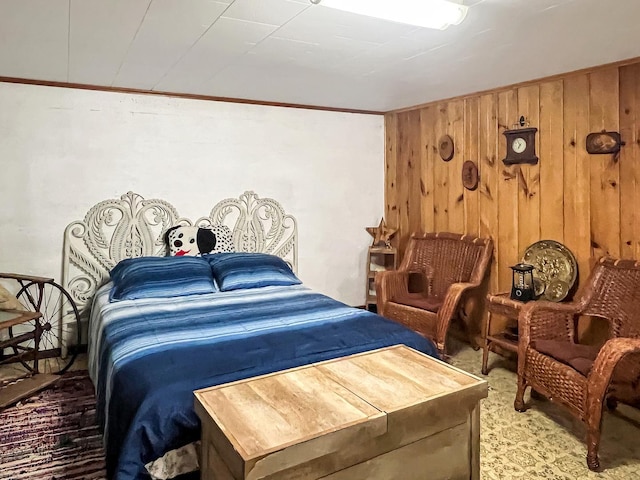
(579, 377)
(436, 271)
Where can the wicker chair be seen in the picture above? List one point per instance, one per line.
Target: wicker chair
(436, 271)
(579, 377)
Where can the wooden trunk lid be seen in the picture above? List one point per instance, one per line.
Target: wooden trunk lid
(291, 417)
(355, 407)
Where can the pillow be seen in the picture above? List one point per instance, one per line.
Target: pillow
(194, 241)
(189, 241)
(154, 277)
(9, 301)
(233, 271)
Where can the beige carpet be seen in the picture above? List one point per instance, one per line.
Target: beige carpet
(545, 441)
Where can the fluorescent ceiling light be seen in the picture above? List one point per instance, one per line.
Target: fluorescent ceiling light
(423, 13)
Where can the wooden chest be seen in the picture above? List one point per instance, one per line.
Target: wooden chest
(392, 413)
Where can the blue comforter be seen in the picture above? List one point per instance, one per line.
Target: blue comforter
(147, 356)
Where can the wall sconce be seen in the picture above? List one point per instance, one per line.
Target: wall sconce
(438, 14)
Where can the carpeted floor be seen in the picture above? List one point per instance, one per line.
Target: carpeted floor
(53, 434)
(544, 442)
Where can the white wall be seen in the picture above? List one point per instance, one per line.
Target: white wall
(63, 150)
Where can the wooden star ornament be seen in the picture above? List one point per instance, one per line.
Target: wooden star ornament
(381, 234)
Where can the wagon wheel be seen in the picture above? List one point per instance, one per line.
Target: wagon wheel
(60, 321)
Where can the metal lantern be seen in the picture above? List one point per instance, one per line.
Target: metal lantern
(522, 288)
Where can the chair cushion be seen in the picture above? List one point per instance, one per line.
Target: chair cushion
(418, 300)
(579, 357)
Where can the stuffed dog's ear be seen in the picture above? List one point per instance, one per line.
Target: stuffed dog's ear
(166, 234)
(206, 240)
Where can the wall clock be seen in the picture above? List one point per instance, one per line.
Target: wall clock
(521, 146)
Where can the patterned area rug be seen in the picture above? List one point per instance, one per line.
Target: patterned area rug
(53, 435)
(544, 442)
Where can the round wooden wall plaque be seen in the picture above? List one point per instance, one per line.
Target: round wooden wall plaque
(445, 147)
(470, 175)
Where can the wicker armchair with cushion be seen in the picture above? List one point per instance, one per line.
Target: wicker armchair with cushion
(437, 270)
(579, 377)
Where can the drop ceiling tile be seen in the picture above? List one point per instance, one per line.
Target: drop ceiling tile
(292, 86)
(390, 54)
(294, 52)
(33, 39)
(319, 56)
(345, 47)
(235, 35)
(316, 23)
(253, 60)
(274, 47)
(189, 75)
(100, 35)
(353, 68)
(225, 42)
(168, 31)
(272, 12)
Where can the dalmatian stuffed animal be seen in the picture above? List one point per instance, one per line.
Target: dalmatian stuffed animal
(194, 241)
(189, 241)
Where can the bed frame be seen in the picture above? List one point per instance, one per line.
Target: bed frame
(131, 226)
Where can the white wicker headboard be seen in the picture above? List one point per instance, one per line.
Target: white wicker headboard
(131, 226)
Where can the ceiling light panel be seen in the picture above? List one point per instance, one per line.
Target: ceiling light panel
(316, 24)
(438, 14)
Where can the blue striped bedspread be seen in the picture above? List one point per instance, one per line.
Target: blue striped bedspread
(146, 356)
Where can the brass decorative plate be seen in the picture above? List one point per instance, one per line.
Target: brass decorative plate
(555, 268)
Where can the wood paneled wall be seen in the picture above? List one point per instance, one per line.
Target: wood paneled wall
(590, 203)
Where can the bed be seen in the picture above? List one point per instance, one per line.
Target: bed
(146, 354)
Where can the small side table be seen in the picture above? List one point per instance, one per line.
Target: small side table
(499, 304)
(12, 318)
(32, 381)
(379, 259)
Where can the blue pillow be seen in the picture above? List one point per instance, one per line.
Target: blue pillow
(153, 277)
(233, 271)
